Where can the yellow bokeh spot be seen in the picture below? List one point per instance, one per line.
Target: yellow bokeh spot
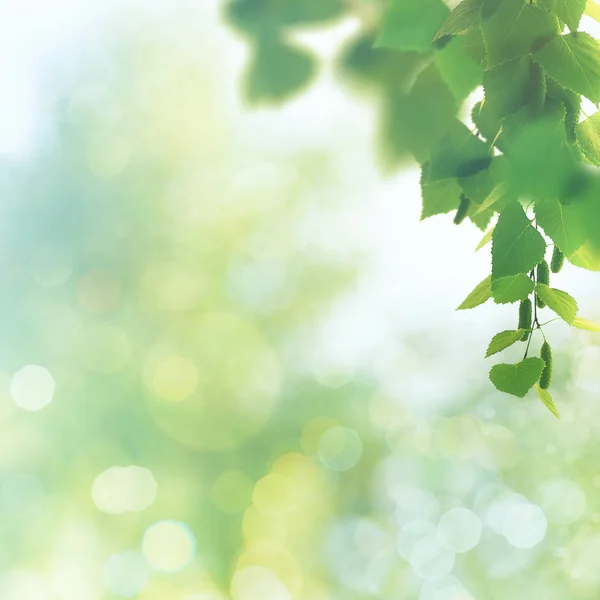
(257, 525)
(275, 557)
(175, 379)
(274, 493)
(258, 583)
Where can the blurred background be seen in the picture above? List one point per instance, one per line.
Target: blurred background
(230, 365)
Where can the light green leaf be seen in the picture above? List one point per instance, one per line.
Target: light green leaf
(440, 196)
(563, 224)
(568, 11)
(482, 293)
(541, 163)
(503, 340)
(574, 61)
(592, 10)
(459, 71)
(498, 194)
(519, 378)
(547, 400)
(588, 136)
(586, 325)
(409, 25)
(558, 301)
(416, 122)
(512, 28)
(516, 246)
(462, 19)
(511, 289)
(486, 239)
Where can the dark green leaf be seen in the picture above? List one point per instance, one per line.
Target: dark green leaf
(514, 84)
(459, 154)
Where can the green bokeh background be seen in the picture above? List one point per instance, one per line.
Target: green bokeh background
(230, 366)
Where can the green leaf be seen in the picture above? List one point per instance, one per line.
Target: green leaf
(547, 400)
(541, 162)
(588, 136)
(513, 28)
(462, 19)
(439, 196)
(486, 239)
(574, 61)
(571, 101)
(563, 224)
(474, 46)
(568, 11)
(415, 122)
(477, 188)
(410, 24)
(511, 289)
(497, 196)
(459, 154)
(557, 300)
(516, 246)
(503, 340)
(277, 72)
(514, 84)
(519, 378)
(482, 293)
(459, 71)
(586, 325)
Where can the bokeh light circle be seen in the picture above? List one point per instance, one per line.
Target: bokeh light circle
(340, 449)
(460, 529)
(32, 387)
(169, 546)
(126, 574)
(124, 489)
(222, 387)
(524, 525)
(258, 583)
(563, 501)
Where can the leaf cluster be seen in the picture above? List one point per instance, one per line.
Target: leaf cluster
(523, 167)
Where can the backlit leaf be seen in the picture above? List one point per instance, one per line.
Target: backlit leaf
(519, 378)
